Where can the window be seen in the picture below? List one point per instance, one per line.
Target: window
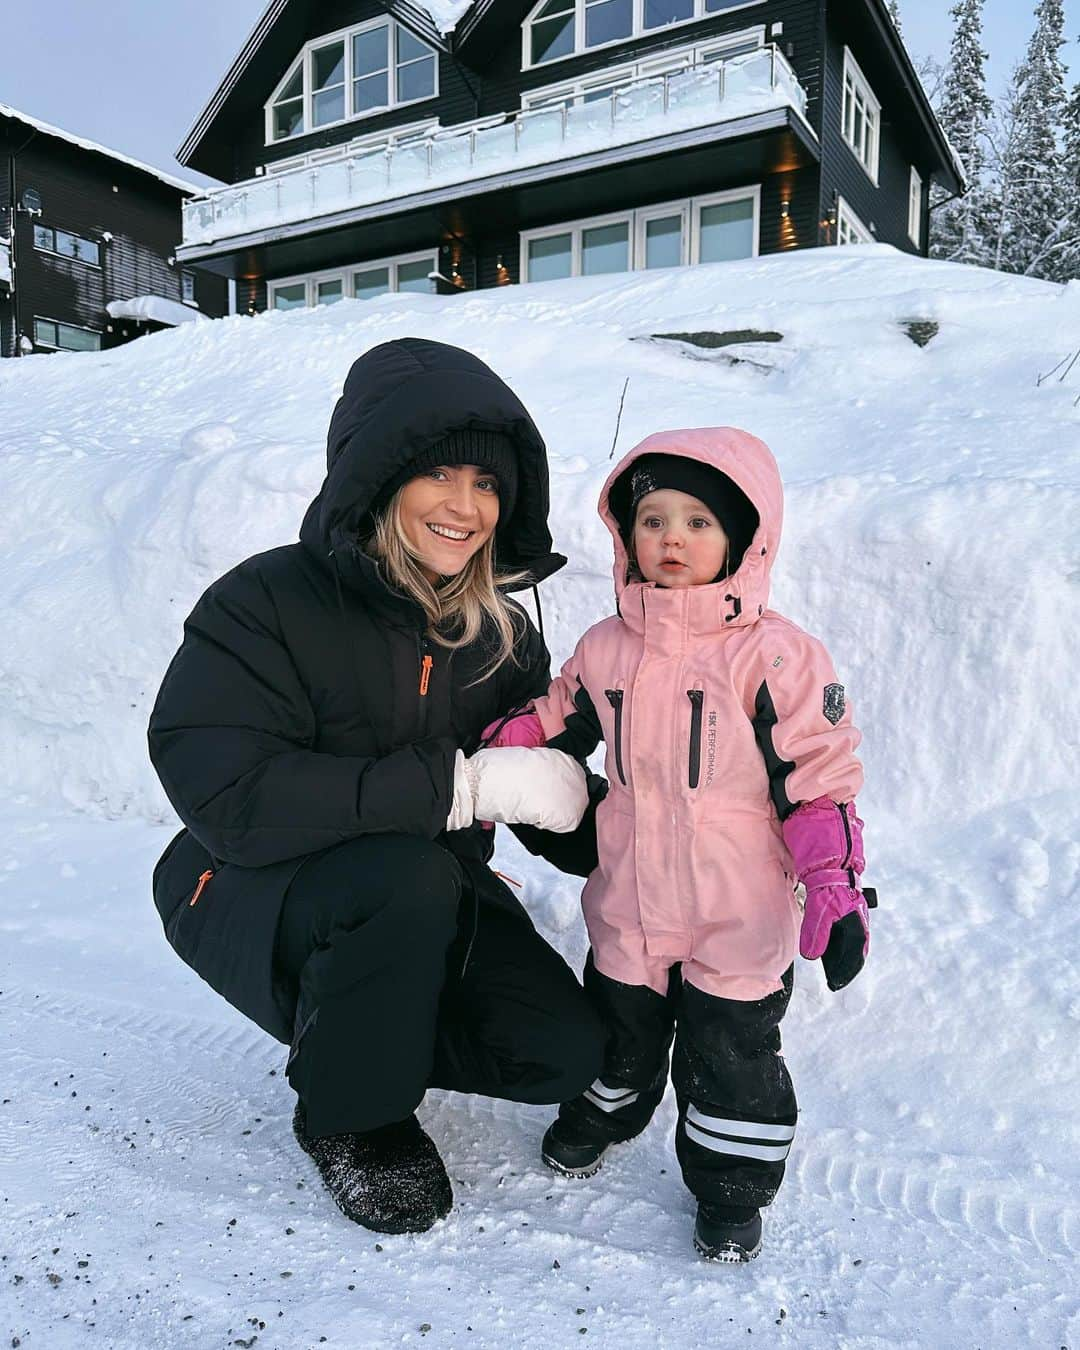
(861, 116)
(588, 88)
(65, 337)
(67, 245)
(370, 68)
(914, 222)
(718, 228)
(849, 228)
(187, 287)
(559, 28)
(365, 281)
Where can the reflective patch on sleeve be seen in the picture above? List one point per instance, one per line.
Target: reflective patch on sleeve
(833, 706)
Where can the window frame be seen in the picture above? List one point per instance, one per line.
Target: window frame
(312, 280)
(659, 63)
(62, 323)
(638, 29)
(68, 257)
(188, 275)
(304, 61)
(860, 86)
(915, 208)
(636, 218)
(849, 219)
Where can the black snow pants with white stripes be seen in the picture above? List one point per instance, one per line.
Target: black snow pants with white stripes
(737, 1107)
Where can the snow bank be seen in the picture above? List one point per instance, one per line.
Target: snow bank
(151, 1192)
(932, 497)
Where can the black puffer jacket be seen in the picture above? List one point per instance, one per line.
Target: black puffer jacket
(291, 718)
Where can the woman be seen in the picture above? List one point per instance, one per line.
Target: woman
(318, 732)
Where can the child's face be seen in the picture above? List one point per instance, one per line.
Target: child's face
(677, 540)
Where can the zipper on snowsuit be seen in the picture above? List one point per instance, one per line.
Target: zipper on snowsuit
(203, 879)
(697, 698)
(615, 698)
(847, 851)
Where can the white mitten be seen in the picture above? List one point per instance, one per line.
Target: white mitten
(461, 809)
(521, 786)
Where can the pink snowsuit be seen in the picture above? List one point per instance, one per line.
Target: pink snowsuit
(719, 715)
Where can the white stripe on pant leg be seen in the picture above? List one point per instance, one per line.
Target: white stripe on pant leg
(747, 1129)
(610, 1098)
(739, 1147)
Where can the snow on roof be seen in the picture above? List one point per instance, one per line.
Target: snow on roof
(50, 130)
(154, 308)
(445, 13)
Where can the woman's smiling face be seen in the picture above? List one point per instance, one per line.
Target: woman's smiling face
(448, 513)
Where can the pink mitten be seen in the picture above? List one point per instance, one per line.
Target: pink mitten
(524, 729)
(825, 843)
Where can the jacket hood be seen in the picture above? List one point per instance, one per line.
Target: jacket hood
(740, 598)
(400, 398)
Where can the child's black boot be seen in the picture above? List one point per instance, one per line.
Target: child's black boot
(585, 1128)
(726, 1233)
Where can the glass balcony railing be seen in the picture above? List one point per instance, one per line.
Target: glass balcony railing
(695, 96)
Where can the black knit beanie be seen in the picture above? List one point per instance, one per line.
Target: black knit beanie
(492, 450)
(725, 499)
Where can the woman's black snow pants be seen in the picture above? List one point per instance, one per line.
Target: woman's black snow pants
(406, 979)
(737, 1107)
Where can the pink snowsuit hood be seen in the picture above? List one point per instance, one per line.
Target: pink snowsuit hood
(750, 464)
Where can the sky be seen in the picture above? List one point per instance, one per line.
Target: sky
(134, 74)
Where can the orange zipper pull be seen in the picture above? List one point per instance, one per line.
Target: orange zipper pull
(425, 674)
(509, 879)
(199, 888)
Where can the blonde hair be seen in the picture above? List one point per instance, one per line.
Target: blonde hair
(459, 608)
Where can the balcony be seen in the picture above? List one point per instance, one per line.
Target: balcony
(694, 98)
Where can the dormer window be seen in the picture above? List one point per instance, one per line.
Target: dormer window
(558, 28)
(368, 69)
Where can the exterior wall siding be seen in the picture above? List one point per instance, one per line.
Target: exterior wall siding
(93, 196)
(882, 208)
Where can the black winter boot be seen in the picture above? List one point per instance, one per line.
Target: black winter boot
(583, 1131)
(724, 1233)
(391, 1180)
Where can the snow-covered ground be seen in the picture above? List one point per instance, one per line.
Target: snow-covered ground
(150, 1191)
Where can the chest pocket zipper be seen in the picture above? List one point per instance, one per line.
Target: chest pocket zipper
(615, 698)
(697, 698)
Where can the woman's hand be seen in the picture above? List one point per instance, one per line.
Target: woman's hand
(519, 786)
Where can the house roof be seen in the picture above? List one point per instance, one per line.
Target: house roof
(287, 20)
(950, 161)
(47, 129)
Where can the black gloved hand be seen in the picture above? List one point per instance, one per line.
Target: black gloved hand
(843, 958)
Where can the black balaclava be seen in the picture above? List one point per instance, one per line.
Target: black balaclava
(491, 450)
(726, 500)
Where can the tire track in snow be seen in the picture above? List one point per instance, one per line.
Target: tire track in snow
(980, 1208)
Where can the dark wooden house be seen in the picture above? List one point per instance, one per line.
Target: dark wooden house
(366, 149)
(88, 242)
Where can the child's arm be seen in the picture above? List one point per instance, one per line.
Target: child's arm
(564, 718)
(808, 740)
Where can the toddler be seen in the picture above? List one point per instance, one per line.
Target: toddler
(732, 770)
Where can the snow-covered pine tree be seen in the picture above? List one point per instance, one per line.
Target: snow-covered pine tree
(958, 228)
(894, 14)
(1070, 258)
(1029, 213)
